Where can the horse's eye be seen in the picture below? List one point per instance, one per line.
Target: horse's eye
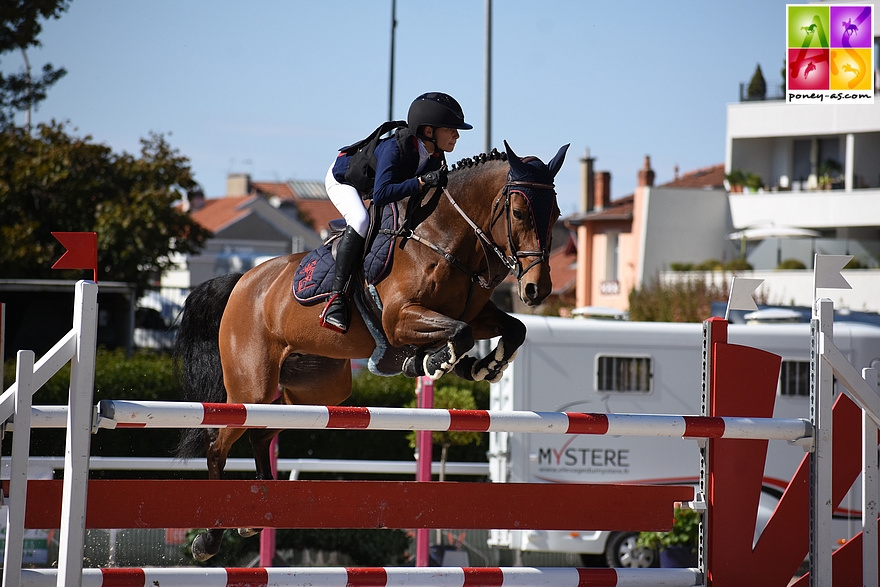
(518, 214)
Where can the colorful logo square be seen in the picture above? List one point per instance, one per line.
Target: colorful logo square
(808, 26)
(850, 69)
(808, 69)
(830, 53)
(851, 26)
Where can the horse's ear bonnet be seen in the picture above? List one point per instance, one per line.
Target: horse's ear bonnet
(542, 200)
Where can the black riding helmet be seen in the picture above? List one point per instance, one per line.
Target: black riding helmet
(435, 109)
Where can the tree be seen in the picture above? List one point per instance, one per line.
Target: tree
(57, 182)
(757, 87)
(449, 397)
(19, 27)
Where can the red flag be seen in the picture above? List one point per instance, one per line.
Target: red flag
(81, 253)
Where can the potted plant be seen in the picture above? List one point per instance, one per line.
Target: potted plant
(678, 547)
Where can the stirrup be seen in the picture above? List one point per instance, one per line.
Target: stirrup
(336, 315)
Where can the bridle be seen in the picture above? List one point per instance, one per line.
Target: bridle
(511, 263)
(500, 207)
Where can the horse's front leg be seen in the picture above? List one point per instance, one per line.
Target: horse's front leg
(489, 323)
(419, 326)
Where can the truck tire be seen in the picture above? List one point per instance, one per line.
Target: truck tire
(621, 551)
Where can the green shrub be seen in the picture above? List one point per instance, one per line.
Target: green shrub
(710, 265)
(681, 266)
(685, 532)
(682, 301)
(738, 265)
(790, 264)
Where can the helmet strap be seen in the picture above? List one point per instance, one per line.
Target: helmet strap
(433, 139)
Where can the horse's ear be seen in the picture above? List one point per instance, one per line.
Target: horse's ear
(518, 168)
(556, 163)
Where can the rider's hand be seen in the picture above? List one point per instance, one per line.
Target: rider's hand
(434, 179)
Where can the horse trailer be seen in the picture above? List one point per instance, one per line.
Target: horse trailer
(612, 366)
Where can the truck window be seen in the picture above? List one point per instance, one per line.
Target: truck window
(794, 378)
(623, 374)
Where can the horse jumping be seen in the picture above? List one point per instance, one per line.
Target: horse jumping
(241, 336)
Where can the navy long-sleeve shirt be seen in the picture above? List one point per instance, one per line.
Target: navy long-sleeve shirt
(396, 171)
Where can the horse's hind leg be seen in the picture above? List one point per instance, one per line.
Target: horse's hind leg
(261, 443)
(207, 544)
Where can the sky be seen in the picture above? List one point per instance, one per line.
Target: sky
(274, 88)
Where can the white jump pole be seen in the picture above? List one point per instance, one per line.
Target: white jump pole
(165, 414)
(21, 443)
(79, 436)
(376, 577)
(870, 490)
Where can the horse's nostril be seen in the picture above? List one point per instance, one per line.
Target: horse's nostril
(531, 291)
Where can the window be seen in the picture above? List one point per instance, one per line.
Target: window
(612, 251)
(794, 378)
(624, 374)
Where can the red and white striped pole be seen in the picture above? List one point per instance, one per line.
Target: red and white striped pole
(424, 449)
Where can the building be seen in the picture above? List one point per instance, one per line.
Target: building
(626, 242)
(255, 221)
(803, 179)
(819, 193)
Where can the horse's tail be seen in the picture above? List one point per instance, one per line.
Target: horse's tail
(197, 353)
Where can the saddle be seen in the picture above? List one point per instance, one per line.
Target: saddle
(313, 281)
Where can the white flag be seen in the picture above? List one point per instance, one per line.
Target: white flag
(741, 290)
(827, 272)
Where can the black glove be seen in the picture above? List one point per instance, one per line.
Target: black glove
(434, 179)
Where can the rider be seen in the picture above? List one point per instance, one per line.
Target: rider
(410, 161)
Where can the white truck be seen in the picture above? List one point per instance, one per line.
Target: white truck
(616, 366)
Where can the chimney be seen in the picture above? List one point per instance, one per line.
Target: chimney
(646, 174)
(587, 189)
(238, 184)
(195, 200)
(602, 189)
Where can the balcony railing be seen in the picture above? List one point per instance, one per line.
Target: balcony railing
(774, 92)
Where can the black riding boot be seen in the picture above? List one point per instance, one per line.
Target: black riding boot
(349, 253)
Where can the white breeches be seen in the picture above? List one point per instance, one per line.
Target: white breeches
(349, 203)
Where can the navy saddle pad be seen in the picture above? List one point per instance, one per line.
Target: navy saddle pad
(314, 276)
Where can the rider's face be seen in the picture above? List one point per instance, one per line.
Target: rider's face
(446, 138)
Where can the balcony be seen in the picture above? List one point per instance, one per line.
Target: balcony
(817, 209)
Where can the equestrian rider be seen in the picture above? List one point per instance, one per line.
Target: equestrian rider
(410, 161)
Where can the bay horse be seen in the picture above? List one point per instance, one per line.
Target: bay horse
(241, 336)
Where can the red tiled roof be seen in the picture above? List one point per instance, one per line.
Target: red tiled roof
(706, 177)
(273, 188)
(318, 213)
(218, 213)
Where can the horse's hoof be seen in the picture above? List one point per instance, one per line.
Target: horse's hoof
(248, 532)
(200, 550)
(465, 367)
(440, 362)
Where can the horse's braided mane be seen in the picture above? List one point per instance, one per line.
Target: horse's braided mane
(468, 162)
